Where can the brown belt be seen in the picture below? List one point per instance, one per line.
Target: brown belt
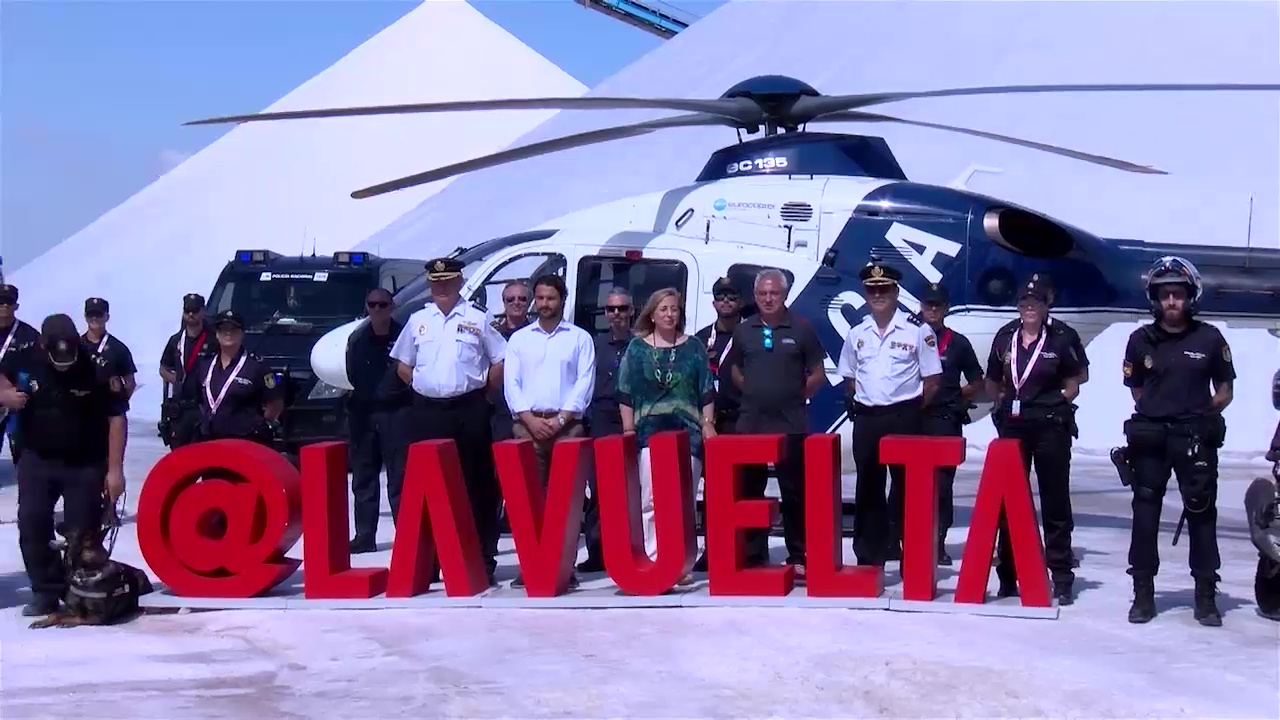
(544, 414)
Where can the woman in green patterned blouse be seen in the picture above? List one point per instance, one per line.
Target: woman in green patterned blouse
(664, 383)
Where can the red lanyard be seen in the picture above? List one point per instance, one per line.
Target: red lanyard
(943, 341)
(195, 350)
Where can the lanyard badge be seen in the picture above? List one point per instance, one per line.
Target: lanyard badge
(1015, 408)
(215, 403)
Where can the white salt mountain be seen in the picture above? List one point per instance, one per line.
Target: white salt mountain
(281, 186)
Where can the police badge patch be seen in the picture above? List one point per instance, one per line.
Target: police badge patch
(35, 386)
(269, 380)
(1226, 353)
(930, 340)
(116, 385)
(1127, 368)
(1147, 362)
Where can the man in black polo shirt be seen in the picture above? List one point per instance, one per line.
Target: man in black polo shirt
(947, 411)
(603, 416)
(777, 361)
(716, 337)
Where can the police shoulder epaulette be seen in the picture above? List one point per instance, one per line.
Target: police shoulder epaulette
(914, 319)
(479, 306)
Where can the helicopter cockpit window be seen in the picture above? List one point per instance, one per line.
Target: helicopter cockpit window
(525, 268)
(599, 274)
(743, 277)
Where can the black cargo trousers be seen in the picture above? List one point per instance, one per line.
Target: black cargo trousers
(1045, 441)
(942, 422)
(41, 483)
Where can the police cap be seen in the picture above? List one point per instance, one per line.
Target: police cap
(229, 318)
(192, 302)
(935, 293)
(96, 306)
(724, 286)
(8, 294)
(1035, 287)
(60, 338)
(442, 269)
(878, 274)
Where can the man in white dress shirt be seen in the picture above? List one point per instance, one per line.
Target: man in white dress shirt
(549, 377)
(891, 357)
(448, 353)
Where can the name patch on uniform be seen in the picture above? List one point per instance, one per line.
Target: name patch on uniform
(1127, 368)
(894, 344)
(466, 327)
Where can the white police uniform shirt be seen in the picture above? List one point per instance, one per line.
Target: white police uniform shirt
(889, 368)
(450, 353)
(549, 371)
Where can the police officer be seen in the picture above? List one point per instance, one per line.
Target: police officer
(1045, 281)
(73, 432)
(1033, 378)
(370, 406)
(603, 416)
(448, 352)
(110, 352)
(18, 336)
(777, 362)
(1177, 427)
(180, 411)
(716, 337)
(891, 361)
(240, 397)
(947, 412)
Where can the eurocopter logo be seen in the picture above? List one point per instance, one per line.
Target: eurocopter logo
(721, 204)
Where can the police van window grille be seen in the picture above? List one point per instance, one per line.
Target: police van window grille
(598, 275)
(340, 298)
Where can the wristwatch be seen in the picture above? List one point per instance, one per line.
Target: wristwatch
(560, 419)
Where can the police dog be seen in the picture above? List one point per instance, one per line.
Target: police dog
(100, 591)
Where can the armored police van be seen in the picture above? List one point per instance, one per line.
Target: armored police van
(289, 302)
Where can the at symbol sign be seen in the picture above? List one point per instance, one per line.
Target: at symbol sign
(765, 163)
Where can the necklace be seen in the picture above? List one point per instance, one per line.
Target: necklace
(663, 376)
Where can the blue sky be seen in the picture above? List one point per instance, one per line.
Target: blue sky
(94, 93)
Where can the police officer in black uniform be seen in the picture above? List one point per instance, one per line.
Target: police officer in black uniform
(1033, 378)
(180, 411)
(716, 337)
(603, 416)
(370, 407)
(240, 397)
(110, 352)
(18, 336)
(72, 418)
(1177, 428)
(947, 411)
(1073, 337)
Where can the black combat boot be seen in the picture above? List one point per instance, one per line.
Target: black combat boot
(1143, 609)
(943, 557)
(1206, 608)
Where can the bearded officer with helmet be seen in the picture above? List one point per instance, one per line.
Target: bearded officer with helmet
(449, 353)
(1177, 428)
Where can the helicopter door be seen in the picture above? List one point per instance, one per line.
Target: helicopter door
(779, 217)
(639, 272)
(522, 265)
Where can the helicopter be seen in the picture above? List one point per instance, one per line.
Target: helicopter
(817, 206)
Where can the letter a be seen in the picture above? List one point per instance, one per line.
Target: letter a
(622, 535)
(324, 529)
(1004, 488)
(545, 525)
(435, 519)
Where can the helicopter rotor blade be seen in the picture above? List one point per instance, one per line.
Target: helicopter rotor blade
(860, 116)
(809, 107)
(545, 147)
(741, 110)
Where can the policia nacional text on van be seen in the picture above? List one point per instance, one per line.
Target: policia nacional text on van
(1177, 428)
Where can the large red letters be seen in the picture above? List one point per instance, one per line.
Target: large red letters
(268, 504)
(622, 536)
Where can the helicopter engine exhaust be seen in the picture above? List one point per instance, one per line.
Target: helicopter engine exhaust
(1026, 233)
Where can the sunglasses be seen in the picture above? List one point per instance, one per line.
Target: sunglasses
(516, 298)
(617, 308)
(768, 338)
(726, 296)
(378, 304)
